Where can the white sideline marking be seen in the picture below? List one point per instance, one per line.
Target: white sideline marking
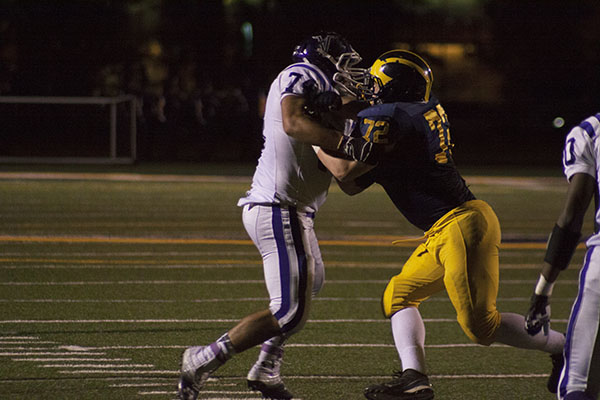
(178, 282)
(124, 177)
(3, 342)
(242, 299)
(73, 348)
(19, 338)
(234, 282)
(532, 183)
(156, 384)
(289, 345)
(465, 376)
(307, 345)
(132, 385)
(164, 392)
(63, 359)
(28, 348)
(203, 321)
(45, 353)
(431, 346)
(336, 377)
(489, 376)
(170, 265)
(119, 372)
(113, 254)
(376, 377)
(102, 366)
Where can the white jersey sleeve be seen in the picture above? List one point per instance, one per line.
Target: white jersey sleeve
(581, 150)
(581, 155)
(293, 78)
(289, 172)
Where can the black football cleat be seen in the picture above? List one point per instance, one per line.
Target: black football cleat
(558, 361)
(407, 385)
(273, 392)
(579, 395)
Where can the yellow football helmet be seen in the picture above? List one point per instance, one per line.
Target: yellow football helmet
(400, 75)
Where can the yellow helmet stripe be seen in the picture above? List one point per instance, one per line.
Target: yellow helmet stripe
(422, 72)
(422, 68)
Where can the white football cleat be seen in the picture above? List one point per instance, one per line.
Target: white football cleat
(264, 377)
(192, 378)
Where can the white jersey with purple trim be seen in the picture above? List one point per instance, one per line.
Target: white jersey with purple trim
(288, 171)
(582, 155)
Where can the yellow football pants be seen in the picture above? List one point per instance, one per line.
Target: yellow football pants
(460, 254)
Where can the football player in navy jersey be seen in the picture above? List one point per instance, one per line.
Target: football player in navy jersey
(459, 252)
(288, 187)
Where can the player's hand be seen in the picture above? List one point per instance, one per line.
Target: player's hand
(327, 101)
(538, 316)
(316, 102)
(352, 128)
(359, 149)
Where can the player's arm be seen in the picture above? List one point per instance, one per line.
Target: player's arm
(351, 187)
(342, 169)
(297, 124)
(561, 245)
(349, 174)
(301, 127)
(579, 195)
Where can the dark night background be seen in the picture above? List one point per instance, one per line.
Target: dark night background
(503, 69)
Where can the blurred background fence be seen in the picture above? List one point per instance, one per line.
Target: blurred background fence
(513, 75)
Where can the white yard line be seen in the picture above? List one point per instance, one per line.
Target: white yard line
(533, 183)
(19, 338)
(99, 366)
(118, 372)
(122, 177)
(45, 353)
(205, 321)
(176, 282)
(232, 282)
(204, 264)
(63, 359)
(236, 300)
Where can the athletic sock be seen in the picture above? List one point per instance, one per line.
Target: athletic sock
(215, 354)
(409, 336)
(226, 349)
(271, 349)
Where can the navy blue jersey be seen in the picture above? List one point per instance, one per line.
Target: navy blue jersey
(418, 174)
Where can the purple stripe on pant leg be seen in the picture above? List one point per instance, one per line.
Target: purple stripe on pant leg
(284, 263)
(302, 270)
(573, 319)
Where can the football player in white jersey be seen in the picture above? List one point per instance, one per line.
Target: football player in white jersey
(580, 378)
(288, 187)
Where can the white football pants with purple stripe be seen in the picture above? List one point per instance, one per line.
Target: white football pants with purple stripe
(582, 347)
(292, 263)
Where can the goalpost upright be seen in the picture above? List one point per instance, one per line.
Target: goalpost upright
(112, 102)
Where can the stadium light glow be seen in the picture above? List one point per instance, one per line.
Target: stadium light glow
(558, 122)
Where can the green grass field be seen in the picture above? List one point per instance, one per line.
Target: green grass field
(107, 276)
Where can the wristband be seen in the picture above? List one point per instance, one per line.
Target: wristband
(543, 287)
(561, 246)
